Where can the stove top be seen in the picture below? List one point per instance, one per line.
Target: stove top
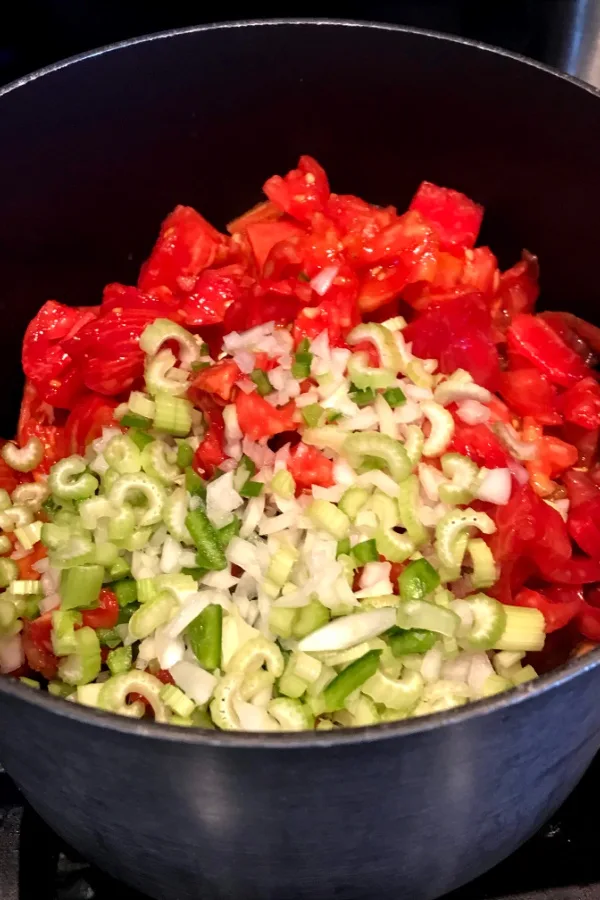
(560, 863)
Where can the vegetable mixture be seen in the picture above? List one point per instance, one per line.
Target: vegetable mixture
(326, 470)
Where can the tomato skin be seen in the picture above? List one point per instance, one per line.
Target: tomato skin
(122, 296)
(26, 563)
(262, 212)
(527, 526)
(480, 444)
(107, 350)
(533, 338)
(105, 615)
(558, 605)
(456, 218)
(258, 419)
(458, 333)
(187, 244)
(89, 415)
(588, 622)
(584, 526)
(268, 302)
(263, 236)
(302, 192)
(530, 393)
(517, 290)
(337, 311)
(37, 645)
(218, 379)
(309, 466)
(210, 453)
(579, 570)
(8, 477)
(214, 291)
(581, 403)
(45, 357)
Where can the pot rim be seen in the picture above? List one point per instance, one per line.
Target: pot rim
(298, 740)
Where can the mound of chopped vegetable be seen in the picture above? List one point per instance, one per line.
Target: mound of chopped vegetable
(326, 470)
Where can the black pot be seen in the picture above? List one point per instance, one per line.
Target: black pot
(94, 153)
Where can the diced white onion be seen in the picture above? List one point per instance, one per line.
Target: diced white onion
(194, 681)
(170, 556)
(472, 412)
(221, 500)
(432, 664)
(253, 717)
(347, 631)
(495, 487)
(244, 554)
(323, 281)
(244, 361)
(374, 572)
(479, 671)
(11, 653)
(52, 601)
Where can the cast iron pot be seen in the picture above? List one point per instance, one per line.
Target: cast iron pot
(95, 152)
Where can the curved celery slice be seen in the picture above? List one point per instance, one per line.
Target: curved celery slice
(328, 517)
(122, 455)
(69, 480)
(408, 500)
(485, 571)
(402, 694)
(442, 428)
(422, 615)
(127, 486)
(291, 715)
(383, 340)
(256, 653)
(159, 461)
(83, 665)
(161, 330)
(25, 458)
(489, 621)
(362, 445)
(451, 530)
(463, 472)
(115, 691)
(364, 376)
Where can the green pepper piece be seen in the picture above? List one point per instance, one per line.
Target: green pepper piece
(350, 679)
(206, 538)
(204, 635)
(410, 640)
(417, 580)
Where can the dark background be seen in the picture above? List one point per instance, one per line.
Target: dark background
(34, 33)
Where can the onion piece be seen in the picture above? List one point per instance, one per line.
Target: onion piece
(510, 438)
(194, 681)
(324, 279)
(347, 631)
(495, 487)
(11, 653)
(472, 412)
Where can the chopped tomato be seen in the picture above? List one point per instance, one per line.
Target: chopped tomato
(121, 296)
(558, 605)
(456, 218)
(37, 645)
(8, 477)
(458, 333)
(302, 192)
(581, 403)
(46, 360)
(186, 245)
(479, 444)
(268, 302)
(218, 379)
(106, 614)
(26, 563)
(578, 570)
(337, 312)
(309, 466)
(258, 419)
(530, 393)
(262, 212)
(33, 421)
(517, 290)
(264, 235)
(532, 337)
(210, 453)
(90, 414)
(588, 622)
(107, 351)
(584, 526)
(213, 292)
